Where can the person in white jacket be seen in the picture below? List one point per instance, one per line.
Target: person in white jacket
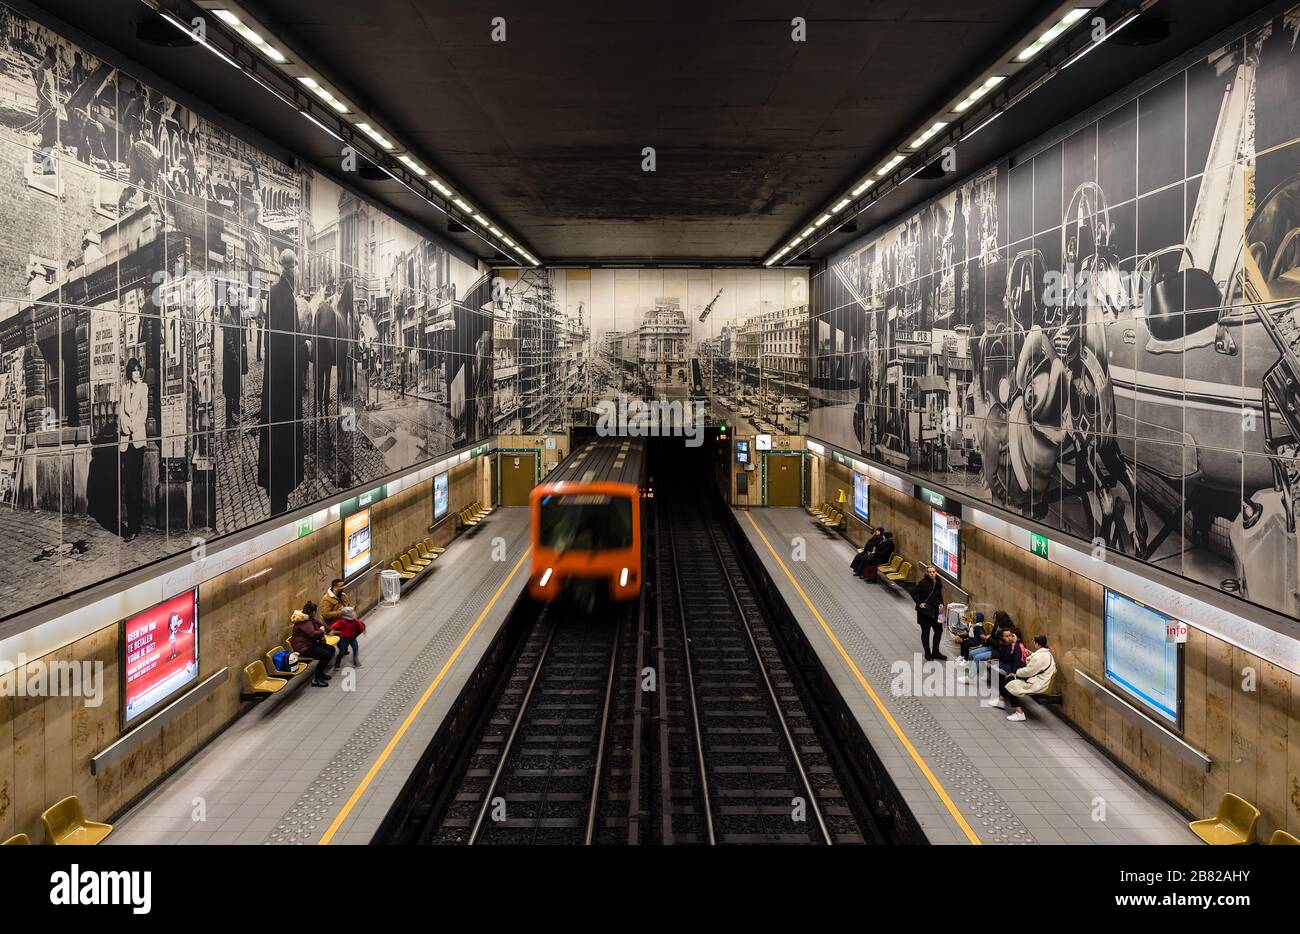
(1033, 678)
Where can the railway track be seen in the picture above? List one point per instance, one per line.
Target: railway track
(744, 762)
(539, 773)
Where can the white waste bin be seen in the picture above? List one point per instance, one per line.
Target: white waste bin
(390, 587)
(955, 613)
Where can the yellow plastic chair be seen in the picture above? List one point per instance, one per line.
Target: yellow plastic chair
(436, 549)
(468, 518)
(894, 564)
(1234, 825)
(1282, 838)
(903, 573)
(66, 825)
(259, 682)
(407, 566)
(274, 671)
(425, 553)
(406, 575)
(417, 560)
(18, 839)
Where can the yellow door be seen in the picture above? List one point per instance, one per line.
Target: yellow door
(518, 473)
(784, 479)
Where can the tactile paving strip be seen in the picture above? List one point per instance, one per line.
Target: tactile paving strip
(992, 818)
(306, 820)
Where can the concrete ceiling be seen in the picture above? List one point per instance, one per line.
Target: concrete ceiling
(753, 133)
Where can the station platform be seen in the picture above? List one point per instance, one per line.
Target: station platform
(967, 774)
(325, 764)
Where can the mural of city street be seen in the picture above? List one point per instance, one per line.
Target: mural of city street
(1102, 336)
(570, 341)
(196, 336)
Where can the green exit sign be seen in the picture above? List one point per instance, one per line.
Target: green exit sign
(304, 526)
(1038, 544)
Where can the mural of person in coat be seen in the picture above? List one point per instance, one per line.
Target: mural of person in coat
(280, 447)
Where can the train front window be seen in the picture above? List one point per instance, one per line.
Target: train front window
(585, 523)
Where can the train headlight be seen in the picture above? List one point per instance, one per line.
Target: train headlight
(546, 578)
(622, 578)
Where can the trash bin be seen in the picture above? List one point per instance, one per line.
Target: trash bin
(390, 588)
(956, 626)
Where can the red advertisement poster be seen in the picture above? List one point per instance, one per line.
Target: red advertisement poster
(162, 652)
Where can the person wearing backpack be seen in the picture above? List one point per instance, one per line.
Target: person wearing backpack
(348, 627)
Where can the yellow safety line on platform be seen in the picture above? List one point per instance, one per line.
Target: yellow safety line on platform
(884, 711)
(419, 705)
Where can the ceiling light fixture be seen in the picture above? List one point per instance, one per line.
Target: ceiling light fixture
(251, 36)
(1045, 37)
(245, 28)
(1049, 35)
(411, 164)
(969, 101)
(928, 134)
(375, 135)
(323, 93)
(889, 166)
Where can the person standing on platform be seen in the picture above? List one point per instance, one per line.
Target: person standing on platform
(280, 450)
(928, 595)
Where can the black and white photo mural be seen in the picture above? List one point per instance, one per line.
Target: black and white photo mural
(1105, 335)
(571, 342)
(196, 335)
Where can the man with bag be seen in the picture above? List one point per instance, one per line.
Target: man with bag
(928, 595)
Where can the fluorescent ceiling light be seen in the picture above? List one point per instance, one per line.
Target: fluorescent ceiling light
(481, 219)
(796, 240)
(314, 86)
(989, 84)
(374, 134)
(889, 166)
(840, 207)
(442, 189)
(493, 231)
(463, 206)
(1050, 34)
(411, 164)
(866, 183)
(821, 220)
(809, 232)
(507, 241)
(928, 134)
(251, 36)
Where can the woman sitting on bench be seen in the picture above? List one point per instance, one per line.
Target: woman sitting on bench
(1034, 678)
(881, 554)
(868, 550)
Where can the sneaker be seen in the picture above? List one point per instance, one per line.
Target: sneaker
(995, 703)
(1017, 717)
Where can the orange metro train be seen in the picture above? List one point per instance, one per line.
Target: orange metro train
(586, 524)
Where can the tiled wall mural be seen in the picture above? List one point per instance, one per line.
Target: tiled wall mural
(733, 340)
(195, 336)
(1104, 335)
